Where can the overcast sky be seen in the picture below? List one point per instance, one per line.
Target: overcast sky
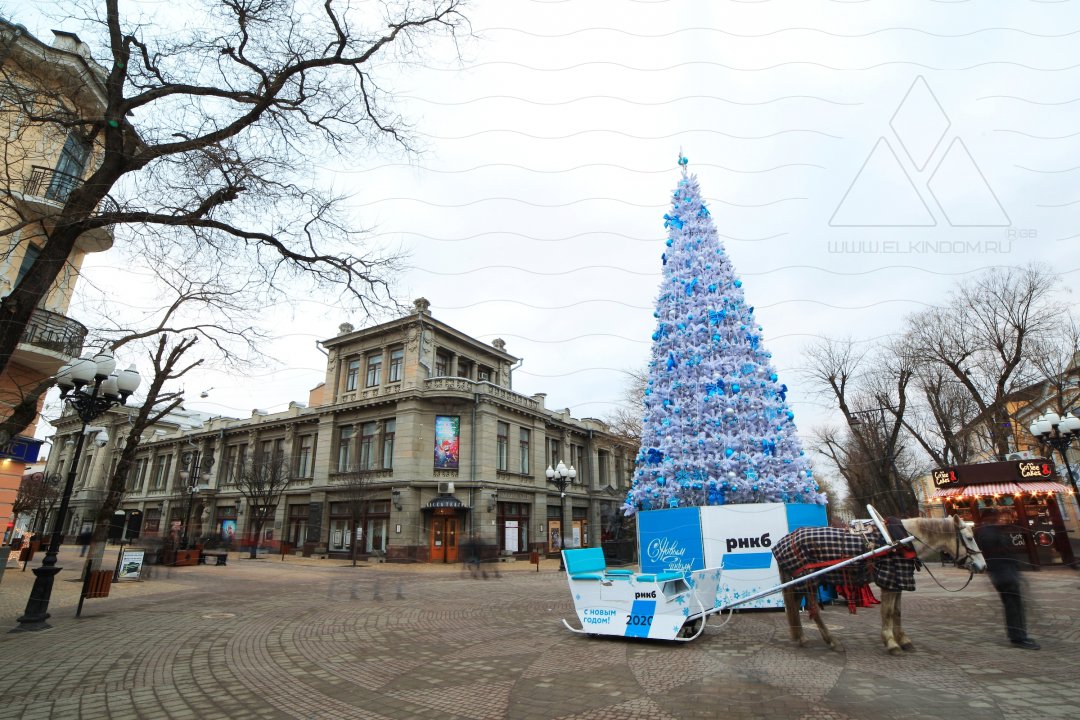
(860, 158)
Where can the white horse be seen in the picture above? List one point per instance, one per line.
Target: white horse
(818, 547)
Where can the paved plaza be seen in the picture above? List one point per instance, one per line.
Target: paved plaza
(319, 639)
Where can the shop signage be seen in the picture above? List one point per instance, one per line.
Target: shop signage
(1034, 469)
(944, 477)
(21, 448)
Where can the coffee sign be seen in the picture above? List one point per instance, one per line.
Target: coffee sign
(1034, 469)
(944, 477)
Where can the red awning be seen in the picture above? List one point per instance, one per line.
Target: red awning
(1009, 488)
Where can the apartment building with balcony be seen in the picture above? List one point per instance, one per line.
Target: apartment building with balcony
(421, 415)
(42, 164)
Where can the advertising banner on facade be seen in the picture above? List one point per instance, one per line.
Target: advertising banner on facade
(447, 429)
(131, 562)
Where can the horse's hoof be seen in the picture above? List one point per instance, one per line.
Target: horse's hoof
(907, 647)
(894, 651)
(836, 646)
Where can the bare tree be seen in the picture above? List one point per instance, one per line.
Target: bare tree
(625, 421)
(208, 136)
(868, 454)
(37, 498)
(168, 365)
(356, 490)
(1056, 360)
(262, 480)
(981, 341)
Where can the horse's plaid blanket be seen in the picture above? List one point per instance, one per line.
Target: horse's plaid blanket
(812, 548)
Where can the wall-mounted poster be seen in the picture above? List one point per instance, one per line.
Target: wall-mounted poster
(447, 429)
(228, 530)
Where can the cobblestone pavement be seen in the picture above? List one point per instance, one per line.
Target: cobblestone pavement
(319, 639)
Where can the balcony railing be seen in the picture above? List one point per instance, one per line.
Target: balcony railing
(55, 332)
(57, 186)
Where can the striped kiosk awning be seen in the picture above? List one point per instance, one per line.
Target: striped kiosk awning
(1007, 488)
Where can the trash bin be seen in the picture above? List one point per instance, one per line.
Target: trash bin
(26, 554)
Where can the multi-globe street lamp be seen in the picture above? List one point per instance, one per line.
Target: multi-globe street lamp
(90, 386)
(562, 477)
(1058, 433)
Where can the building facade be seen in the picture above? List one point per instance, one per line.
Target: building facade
(418, 416)
(42, 164)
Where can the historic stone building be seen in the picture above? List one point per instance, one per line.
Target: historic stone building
(419, 416)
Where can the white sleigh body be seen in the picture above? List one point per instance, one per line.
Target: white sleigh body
(656, 606)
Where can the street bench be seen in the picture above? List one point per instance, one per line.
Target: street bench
(220, 558)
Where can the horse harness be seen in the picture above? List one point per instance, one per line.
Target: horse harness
(813, 548)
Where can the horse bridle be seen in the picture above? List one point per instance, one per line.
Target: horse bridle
(960, 562)
(967, 559)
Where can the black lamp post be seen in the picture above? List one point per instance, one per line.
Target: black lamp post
(562, 477)
(1058, 433)
(90, 387)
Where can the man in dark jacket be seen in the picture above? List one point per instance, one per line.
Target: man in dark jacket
(996, 540)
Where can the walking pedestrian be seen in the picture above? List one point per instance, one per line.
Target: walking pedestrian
(84, 542)
(996, 538)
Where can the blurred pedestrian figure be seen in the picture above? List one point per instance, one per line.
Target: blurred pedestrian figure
(996, 540)
(84, 542)
(472, 556)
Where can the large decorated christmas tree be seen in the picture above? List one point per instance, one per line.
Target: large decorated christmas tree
(717, 427)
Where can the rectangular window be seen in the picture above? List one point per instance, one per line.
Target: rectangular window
(135, 477)
(603, 463)
(367, 445)
(483, 374)
(151, 521)
(70, 168)
(374, 370)
(346, 433)
(442, 365)
(397, 363)
(266, 451)
(523, 448)
(553, 453)
(502, 446)
(389, 429)
(29, 258)
(464, 368)
(352, 375)
(161, 471)
(234, 462)
(304, 459)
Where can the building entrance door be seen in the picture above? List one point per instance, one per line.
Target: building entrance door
(444, 539)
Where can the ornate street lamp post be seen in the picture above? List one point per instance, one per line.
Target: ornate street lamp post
(1058, 433)
(561, 477)
(90, 387)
